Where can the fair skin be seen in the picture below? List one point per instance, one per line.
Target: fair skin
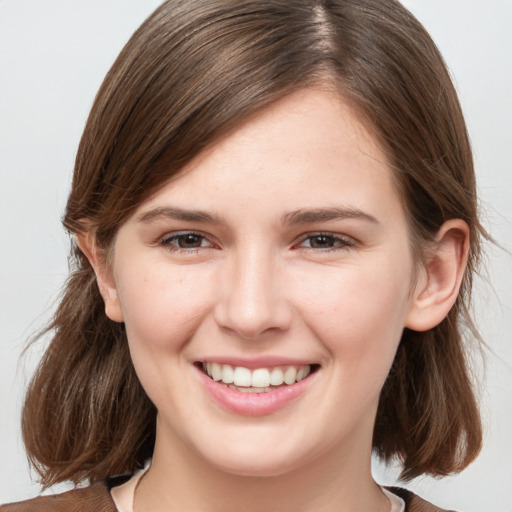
(283, 245)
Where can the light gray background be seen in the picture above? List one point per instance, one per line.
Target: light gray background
(53, 56)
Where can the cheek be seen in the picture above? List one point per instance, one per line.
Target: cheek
(359, 311)
(162, 308)
(162, 311)
(359, 315)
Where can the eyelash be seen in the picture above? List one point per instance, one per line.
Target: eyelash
(340, 242)
(168, 242)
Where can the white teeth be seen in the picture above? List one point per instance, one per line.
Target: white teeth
(258, 380)
(290, 375)
(216, 371)
(303, 372)
(276, 377)
(242, 376)
(227, 374)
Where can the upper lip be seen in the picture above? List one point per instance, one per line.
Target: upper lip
(256, 362)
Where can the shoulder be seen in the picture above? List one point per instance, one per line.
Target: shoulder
(95, 498)
(414, 503)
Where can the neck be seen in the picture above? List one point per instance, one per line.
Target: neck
(179, 479)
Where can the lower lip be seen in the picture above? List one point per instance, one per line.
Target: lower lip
(254, 404)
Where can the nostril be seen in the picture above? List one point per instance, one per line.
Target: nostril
(253, 306)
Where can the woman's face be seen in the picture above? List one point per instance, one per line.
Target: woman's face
(279, 258)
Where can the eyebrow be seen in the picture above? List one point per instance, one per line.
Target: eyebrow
(300, 216)
(180, 214)
(306, 216)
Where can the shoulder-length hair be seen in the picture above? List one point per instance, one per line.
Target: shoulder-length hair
(191, 73)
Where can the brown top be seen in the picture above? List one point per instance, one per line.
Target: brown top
(96, 498)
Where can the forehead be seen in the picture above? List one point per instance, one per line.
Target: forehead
(295, 123)
(309, 146)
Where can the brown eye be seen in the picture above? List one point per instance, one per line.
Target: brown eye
(189, 241)
(326, 241)
(322, 242)
(184, 241)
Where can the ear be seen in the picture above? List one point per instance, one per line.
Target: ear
(440, 277)
(104, 274)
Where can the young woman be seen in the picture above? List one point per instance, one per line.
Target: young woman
(275, 219)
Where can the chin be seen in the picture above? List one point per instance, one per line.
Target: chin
(260, 469)
(255, 460)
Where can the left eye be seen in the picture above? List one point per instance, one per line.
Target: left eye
(186, 241)
(325, 241)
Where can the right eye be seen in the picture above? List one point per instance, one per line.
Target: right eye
(185, 242)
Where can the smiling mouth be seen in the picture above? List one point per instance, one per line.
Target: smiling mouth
(260, 380)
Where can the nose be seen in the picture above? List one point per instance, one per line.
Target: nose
(252, 298)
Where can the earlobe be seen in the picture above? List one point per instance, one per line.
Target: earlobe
(441, 276)
(104, 276)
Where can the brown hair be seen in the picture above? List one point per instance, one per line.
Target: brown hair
(192, 72)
